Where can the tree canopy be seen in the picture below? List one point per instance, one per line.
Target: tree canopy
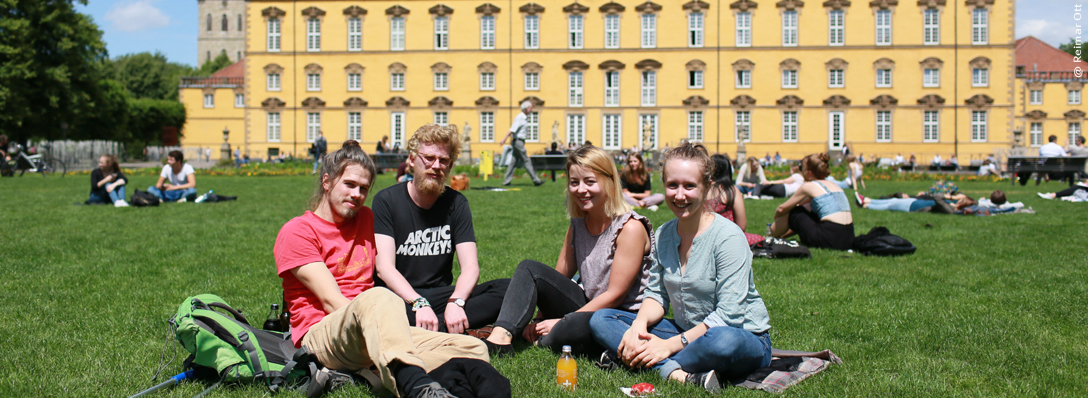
(148, 75)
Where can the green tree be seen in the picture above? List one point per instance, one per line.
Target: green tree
(48, 71)
(148, 116)
(220, 62)
(147, 75)
(1074, 47)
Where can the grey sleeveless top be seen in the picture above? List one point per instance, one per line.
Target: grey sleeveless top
(594, 254)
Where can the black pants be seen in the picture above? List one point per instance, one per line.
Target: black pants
(471, 378)
(481, 308)
(773, 190)
(536, 284)
(1069, 191)
(820, 234)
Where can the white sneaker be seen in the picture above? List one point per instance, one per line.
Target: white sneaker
(182, 200)
(1045, 195)
(120, 203)
(652, 207)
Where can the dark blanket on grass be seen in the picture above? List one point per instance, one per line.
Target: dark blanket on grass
(786, 369)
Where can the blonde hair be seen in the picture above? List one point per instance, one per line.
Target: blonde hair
(597, 160)
(436, 134)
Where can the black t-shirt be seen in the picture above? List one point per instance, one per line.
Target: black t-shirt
(425, 239)
(97, 175)
(635, 188)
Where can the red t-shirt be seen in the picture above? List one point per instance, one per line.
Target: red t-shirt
(347, 249)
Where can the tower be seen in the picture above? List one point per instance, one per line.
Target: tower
(221, 29)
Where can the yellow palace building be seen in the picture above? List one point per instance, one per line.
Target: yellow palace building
(884, 77)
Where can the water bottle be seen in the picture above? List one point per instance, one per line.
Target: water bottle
(566, 371)
(204, 196)
(272, 323)
(770, 233)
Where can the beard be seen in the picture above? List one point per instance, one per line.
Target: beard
(428, 185)
(346, 213)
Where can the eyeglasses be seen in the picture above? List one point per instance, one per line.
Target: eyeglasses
(429, 160)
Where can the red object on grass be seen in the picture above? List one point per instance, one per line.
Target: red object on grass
(642, 389)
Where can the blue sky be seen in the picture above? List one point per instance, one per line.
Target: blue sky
(170, 26)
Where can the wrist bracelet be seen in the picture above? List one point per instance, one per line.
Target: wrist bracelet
(419, 303)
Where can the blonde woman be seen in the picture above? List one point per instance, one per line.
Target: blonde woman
(635, 180)
(750, 177)
(854, 169)
(108, 183)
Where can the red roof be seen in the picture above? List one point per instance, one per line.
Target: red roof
(1034, 54)
(236, 69)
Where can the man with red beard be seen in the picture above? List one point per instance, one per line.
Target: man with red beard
(326, 259)
(419, 225)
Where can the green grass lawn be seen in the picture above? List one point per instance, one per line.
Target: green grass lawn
(988, 306)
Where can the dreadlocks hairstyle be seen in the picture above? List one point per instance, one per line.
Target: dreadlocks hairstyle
(334, 164)
(694, 152)
(436, 134)
(597, 160)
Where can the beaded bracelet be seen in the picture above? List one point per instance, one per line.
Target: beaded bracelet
(419, 303)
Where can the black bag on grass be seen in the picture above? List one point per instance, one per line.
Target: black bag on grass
(880, 242)
(144, 198)
(779, 248)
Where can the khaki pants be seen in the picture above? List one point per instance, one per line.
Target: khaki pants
(373, 330)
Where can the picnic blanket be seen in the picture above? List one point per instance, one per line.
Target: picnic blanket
(788, 368)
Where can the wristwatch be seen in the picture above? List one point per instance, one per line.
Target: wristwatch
(457, 301)
(683, 340)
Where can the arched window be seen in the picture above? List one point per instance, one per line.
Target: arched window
(209, 22)
(239, 22)
(224, 27)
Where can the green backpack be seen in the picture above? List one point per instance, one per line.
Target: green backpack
(232, 348)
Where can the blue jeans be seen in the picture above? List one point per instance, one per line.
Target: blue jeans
(732, 352)
(171, 196)
(117, 194)
(844, 184)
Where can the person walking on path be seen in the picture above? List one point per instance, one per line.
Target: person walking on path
(517, 133)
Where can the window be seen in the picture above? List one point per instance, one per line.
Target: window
(240, 26)
(396, 127)
(883, 77)
(396, 35)
(980, 26)
(612, 131)
(931, 128)
(487, 126)
(789, 28)
(744, 29)
(441, 33)
(1035, 97)
(396, 82)
(1035, 134)
(273, 34)
(611, 88)
(611, 31)
(209, 23)
(883, 27)
(313, 125)
(647, 119)
(441, 81)
(355, 34)
(883, 126)
(273, 82)
(695, 79)
(224, 23)
(649, 31)
(1074, 98)
(355, 126)
(313, 34)
(239, 100)
(576, 128)
(789, 79)
(931, 78)
(273, 129)
(695, 29)
(980, 77)
(574, 89)
(313, 82)
(532, 32)
(742, 127)
(209, 100)
(789, 126)
(441, 118)
(978, 126)
(532, 127)
(931, 27)
(1074, 132)
(574, 29)
(695, 126)
(487, 32)
(649, 88)
(487, 81)
(532, 81)
(744, 79)
(836, 78)
(836, 28)
(355, 82)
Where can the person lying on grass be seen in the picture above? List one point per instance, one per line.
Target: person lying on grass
(829, 223)
(702, 265)
(938, 203)
(607, 243)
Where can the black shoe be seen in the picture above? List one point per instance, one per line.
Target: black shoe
(538, 183)
(708, 380)
(606, 362)
(325, 381)
(499, 350)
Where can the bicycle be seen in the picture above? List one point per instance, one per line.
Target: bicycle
(43, 163)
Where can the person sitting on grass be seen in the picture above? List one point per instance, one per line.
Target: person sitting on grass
(326, 258)
(108, 183)
(725, 199)
(785, 187)
(636, 184)
(828, 224)
(988, 168)
(750, 177)
(177, 182)
(607, 243)
(703, 265)
(854, 169)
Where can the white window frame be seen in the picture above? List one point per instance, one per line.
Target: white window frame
(931, 126)
(883, 126)
(649, 88)
(576, 128)
(272, 130)
(396, 81)
(980, 26)
(532, 32)
(397, 127)
(979, 126)
(695, 79)
(313, 82)
(487, 32)
(743, 25)
(355, 126)
(931, 27)
(313, 125)
(836, 78)
(836, 130)
(575, 87)
(441, 33)
(1073, 131)
(931, 78)
(272, 82)
(575, 32)
(695, 126)
(652, 119)
(743, 79)
(1035, 97)
(611, 131)
(980, 77)
(883, 27)
(1035, 134)
(742, 122)
(696, 28)
(396, 34)
(611, 31)
(1073, 97)
(487, 81)
(441, 118)
(532, 81)
(209, 100)
(789, 78)
(836, 28)
(789, 28)
(441, 81)
(612, 88)
(239, 100)
(313, 34)
(883, 78)
(274, 27)
(532, 127)
(355, 82)
(487, 126)
(789, 126)
(648, 23)
(355, 34)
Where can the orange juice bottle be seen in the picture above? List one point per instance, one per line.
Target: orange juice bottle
(566, 371)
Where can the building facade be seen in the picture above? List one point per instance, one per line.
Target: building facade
(1048, 95)
(221, 29)
(884, 77)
